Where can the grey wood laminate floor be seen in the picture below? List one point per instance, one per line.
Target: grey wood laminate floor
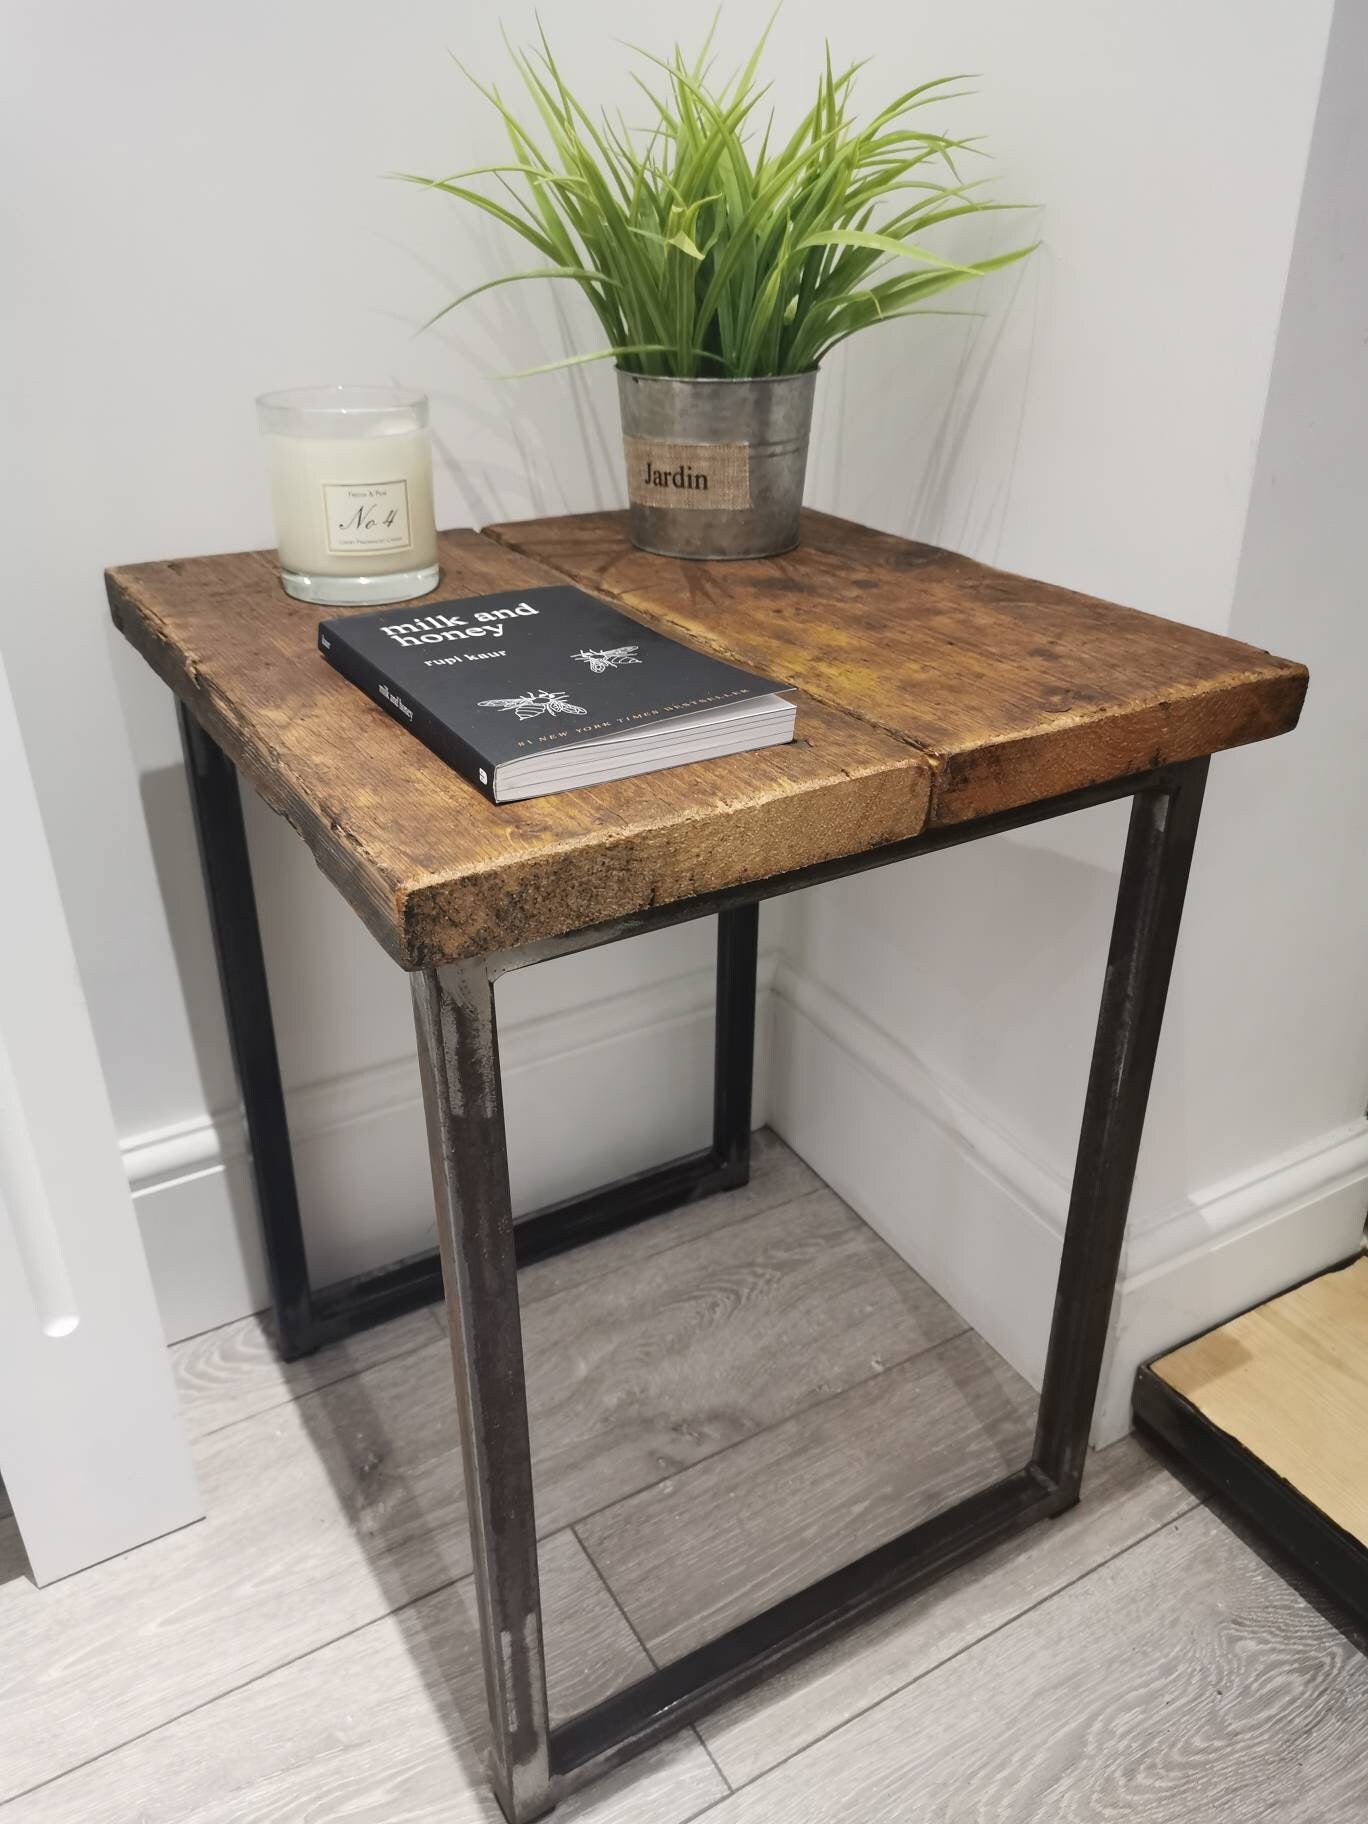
(725, 1402)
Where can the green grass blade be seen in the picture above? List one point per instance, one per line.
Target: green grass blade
(880, 243)
(581, 274)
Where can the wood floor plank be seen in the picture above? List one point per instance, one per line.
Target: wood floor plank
(643, 1372)
(229, 1374)
(327, 1512)
(250, 1670)
(386, 1725)
(1127, 1495)
(321, 1515)
(1184, 1682)
(778, 1176)
(711, 1546)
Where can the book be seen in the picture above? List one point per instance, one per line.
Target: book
(542, 690)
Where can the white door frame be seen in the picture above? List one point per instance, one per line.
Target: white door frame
(92, 1452)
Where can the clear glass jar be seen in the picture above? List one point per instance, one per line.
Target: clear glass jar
(351, 484)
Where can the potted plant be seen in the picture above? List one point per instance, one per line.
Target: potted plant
(723, 264)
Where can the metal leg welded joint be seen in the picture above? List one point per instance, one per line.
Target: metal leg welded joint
(216, 805)
(532, 1764)
(1149, 908)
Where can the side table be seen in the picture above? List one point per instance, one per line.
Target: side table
(939, 702)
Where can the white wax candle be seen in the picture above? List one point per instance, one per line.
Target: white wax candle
(351, 483)
(353, 506)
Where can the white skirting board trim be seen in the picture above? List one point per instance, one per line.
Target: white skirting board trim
(966, 1205)
(593, 1093)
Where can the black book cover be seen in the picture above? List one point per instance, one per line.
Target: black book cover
(493, 678)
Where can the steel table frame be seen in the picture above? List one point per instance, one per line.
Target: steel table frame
(533, 1764)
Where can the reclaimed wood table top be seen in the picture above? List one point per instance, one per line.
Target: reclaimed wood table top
(931, 690)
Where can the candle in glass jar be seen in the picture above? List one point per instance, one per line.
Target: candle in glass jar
(351, 485)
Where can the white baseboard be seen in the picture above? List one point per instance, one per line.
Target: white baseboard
(592, 1093)
(619, 1083)
(982, 1220)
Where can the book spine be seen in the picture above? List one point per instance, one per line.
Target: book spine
(421, 723)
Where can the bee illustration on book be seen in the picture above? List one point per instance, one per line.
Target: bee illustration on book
(600, 661)
(535, 703)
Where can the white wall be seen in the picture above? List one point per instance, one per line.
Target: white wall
(205, 221)
(951, 1006)
(1271, 1071)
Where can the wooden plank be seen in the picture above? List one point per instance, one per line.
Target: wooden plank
(229, 1374)
(1127, 1496)
(1182, 1683)
(328, 1512)
(1289, 1381)
(710, 1547)
(321, 1515)
(778, 1176)
(386, 1724)
(1018, 690)
(435, 870)
(644, 1372)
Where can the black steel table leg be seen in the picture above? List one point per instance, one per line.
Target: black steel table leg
(734, 1042)
(305, 1316)
(721, 1166)
(459, 1058)
(217, 809)
(1149, 906)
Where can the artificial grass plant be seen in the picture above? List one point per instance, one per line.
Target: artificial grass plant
(707, 247)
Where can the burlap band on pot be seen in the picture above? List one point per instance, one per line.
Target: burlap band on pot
(686, 476)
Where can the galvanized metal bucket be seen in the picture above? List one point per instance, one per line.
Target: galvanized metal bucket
(715, 467)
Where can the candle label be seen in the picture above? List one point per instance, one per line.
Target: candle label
(366, 516)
